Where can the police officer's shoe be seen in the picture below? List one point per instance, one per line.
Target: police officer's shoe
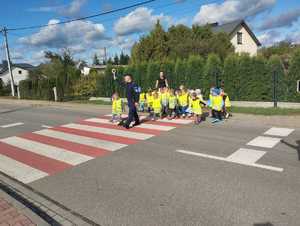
(136, 124)
(126, 126)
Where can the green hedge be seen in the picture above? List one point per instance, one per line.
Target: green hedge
(243, 77)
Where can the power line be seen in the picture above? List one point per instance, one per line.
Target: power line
(82, 18)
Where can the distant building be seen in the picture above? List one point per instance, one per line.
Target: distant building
(87, 69)
(20, 72)
(242, 37)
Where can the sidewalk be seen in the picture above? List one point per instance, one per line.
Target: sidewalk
(12, 213)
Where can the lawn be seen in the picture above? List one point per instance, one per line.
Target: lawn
(265, 111)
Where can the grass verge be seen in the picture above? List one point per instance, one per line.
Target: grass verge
(265, 111)
(96, 102)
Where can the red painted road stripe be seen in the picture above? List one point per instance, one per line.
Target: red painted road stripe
(112, 126)
(47, 165)
(70, 146)
(117, 139)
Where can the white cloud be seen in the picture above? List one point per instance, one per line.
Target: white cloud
(72, 9)
(65, 36)
(269, 38)
(139, 20)
(123, 43)
(231, 10)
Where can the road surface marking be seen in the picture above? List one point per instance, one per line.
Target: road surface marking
(280, 132)
(46, 126)
(47, 150)
(238, 160)
(246, 156)
(111, 146)
(74, 147)
(12, 125)
(42, 163)
(144, 126)
(264, 142)
(100, 136)
(113, 132)
(20, 171)
(176, 121)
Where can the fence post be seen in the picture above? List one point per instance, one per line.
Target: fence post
(55, 94)
(275, 100)
(18, 91)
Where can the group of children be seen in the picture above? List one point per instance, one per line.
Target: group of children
(181, 103)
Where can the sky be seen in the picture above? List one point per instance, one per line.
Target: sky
(271, 20)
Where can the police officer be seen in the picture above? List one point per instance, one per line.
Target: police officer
(132, 94)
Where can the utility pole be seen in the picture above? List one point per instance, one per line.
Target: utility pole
(105, 56)
(12, 83)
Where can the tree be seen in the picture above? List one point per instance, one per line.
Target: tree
(232, 77)
(195, 71)
(275, 65)
(213, 72)
(124, 59)
(293, 76)
(180, 72)
(116, 60)
(96, 60)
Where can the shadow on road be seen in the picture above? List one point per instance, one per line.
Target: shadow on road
(296, 147)
(263, 224)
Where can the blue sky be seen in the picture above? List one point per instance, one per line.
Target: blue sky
(271, 20)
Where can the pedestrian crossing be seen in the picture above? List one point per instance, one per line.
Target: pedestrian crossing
(35, 155)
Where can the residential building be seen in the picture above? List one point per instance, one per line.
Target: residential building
(20, 72)
(242, 37)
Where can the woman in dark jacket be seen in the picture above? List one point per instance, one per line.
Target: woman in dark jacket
(162, 82)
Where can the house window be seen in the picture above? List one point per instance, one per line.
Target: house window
(20, 72)
(239, 38)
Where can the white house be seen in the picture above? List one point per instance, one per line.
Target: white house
(20, 72)
(242, 37)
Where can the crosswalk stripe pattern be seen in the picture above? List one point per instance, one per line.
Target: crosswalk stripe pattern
(32, 156)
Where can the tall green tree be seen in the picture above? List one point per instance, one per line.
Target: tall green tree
(293, 77)
(212, 73)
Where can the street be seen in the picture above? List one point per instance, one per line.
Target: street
(234, 173)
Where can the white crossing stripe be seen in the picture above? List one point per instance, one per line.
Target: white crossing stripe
(144, 126)
(176, 121)
(12, 125)
(280, 132)
(52, 152)
(47, 127)
(264, 142)
(240, 161)
(20, 171)
(246, 156)
(113, 132)
(103, 144)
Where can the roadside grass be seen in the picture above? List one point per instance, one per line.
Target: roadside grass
(265, 111)
(96, 102)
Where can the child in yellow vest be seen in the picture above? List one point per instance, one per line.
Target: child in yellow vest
(157, 107)
(117, 108)
(142, 101)
(173, 105)
(183, 99)
(164, 101)
(227, 105)
(196, 107)
(217, 104)
(149, 100)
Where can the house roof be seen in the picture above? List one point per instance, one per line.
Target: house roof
(25, 66)
(231, 27)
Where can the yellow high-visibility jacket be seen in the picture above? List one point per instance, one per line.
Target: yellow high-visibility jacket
(183, 99)
(172, 102)
(157, 105)
(196, 106)
(217, 103)
(117, 107)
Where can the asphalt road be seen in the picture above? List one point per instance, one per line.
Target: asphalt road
(150, 183)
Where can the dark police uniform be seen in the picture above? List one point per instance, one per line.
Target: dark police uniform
(133, 95)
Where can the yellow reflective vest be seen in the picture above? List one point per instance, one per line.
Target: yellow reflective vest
(117, 107)
(183, 99)
(227, 102)
(172, 102)
(142, 97)
(149, 99)
(156, 105)
(196, 106)
(217, 103)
